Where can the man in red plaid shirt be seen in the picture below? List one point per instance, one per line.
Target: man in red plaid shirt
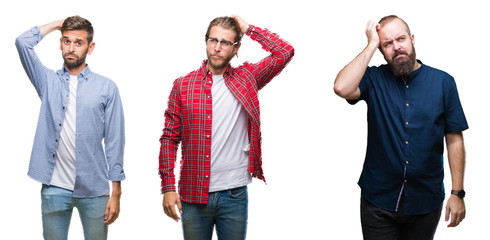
(214, 111)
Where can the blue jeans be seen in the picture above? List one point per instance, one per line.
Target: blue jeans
(57, 207)
(379, 224)
(227, 209)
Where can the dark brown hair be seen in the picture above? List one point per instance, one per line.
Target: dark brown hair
(78, 23)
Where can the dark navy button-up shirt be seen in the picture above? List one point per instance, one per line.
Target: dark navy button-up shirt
(407, 122)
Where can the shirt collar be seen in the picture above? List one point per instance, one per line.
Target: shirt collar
(416, 72)
(206, 71)
(84, 74)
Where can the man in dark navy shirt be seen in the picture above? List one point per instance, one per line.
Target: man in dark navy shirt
(412, 108)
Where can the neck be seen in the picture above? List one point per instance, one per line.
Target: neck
(76, 70)
(416, 65)
(216, 71)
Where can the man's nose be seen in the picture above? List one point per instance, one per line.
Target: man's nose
(396, 46)
(217, 48)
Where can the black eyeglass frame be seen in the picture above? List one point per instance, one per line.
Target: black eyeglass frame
(225, 43)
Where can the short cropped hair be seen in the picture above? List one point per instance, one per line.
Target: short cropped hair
(78, 23)
(389, 18)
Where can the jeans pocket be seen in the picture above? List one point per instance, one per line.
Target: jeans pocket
(238, 193)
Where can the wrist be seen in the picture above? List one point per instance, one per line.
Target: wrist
(116, 192)
(460, 193)
(373, 45)
(116, 189)
(245, 30)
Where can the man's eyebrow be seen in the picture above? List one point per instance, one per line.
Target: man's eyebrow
(387, 41)
(76, 39)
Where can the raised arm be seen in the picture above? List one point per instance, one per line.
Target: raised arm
(347, 82)
(50, 27)
(281, 52)
(25, 44)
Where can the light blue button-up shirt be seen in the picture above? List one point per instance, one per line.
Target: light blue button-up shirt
(99, 116)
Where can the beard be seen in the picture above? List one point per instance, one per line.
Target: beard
(217, 64)
(402, 67)
(79, 60)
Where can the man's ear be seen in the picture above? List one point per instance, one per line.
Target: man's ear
(236, 48)
(91, 47)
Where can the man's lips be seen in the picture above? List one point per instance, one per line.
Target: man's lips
(71, 56)
(216, 56)
(397, 54)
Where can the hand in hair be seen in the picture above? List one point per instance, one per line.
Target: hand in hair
(372, 29)
(243, 25)
(52, 26)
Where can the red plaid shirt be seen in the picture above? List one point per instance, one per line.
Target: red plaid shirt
(188, 118)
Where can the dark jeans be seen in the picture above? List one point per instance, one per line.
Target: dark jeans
(227, 209)
(379, 224)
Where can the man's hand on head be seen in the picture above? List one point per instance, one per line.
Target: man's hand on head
(372, 29)
(243, 25)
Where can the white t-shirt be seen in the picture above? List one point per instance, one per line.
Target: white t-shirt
(64, 172)
(230, 143)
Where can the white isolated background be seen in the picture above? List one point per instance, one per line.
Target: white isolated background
(313, 141)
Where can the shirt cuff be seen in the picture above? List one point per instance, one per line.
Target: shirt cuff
(116, 176)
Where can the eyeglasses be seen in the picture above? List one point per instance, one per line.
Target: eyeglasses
(212, 42)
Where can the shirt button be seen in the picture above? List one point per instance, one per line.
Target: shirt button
(207, 156)
(406, 142)
(406, 162)
(406, 86)
(408, 104)
(209, 117)
(208, 136)
(406, 123)
(207, 176)
(406, 180)
(209, 96)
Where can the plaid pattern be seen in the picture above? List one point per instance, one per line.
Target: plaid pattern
(188, 118)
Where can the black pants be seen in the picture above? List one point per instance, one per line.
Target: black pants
(379, 224)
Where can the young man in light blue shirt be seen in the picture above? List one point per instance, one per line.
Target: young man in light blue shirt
(79, 109)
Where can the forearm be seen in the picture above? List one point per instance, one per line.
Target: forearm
(50, 27)
(116, 189)
(170, 139)
(114, 130)
(167, 157)
(455, 207)
(271, 42)
(347, 81)
(456, 158)
(281, 54)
